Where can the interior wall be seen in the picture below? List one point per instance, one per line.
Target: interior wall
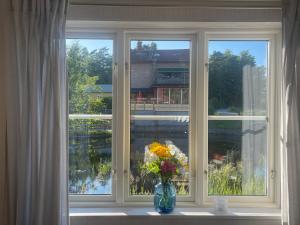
(170, 220)
(216, 3)
(172, 14)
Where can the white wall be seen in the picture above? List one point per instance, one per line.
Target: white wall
(173, 14)
(166, 220)
(215, 3)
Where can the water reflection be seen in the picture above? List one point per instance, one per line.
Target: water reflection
(90, 156)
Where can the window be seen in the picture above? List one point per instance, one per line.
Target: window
(238, 131)
(89, 65)
(159, 70)
(211, 95)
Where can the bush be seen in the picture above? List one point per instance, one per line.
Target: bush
(227, 179)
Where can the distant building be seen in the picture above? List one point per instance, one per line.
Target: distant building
(157, 77)
(100, 90)
(160, 76)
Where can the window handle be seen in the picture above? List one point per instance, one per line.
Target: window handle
(273, 174)
(115, 67)
(206, 66)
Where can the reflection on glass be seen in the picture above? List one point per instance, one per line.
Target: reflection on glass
(238, 72)
(237, 150)
(89, 64)
(159, 87)
(90, 156)
(237, 157)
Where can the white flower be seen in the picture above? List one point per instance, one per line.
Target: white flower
(175, 151)
(216, 161)
(149, 156)
(233, 177)
(172, 149)
(182, 158)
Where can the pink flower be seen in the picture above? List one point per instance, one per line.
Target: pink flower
(167, 167)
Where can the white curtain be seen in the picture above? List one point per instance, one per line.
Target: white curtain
(291, 113)
(254, 143)
(33, 151)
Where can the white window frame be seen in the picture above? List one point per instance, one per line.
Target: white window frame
(200, 33)
(93, 198)
(161, 36)
(272, 113)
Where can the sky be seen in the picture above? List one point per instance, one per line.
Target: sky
(92, 44)
(257, 48)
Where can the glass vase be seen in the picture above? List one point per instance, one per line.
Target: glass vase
(164, 197)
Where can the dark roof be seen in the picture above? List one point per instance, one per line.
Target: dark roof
(171, 76)
(173, 70)
(136, 90)
(175, 55)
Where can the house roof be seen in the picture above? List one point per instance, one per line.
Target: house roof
(102, 88)
(160, 56)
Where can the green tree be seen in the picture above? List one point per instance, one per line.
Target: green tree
(87, 137)
(85, 71)
(146, 47)
(226, 79)
(99, 64)
(79, 81)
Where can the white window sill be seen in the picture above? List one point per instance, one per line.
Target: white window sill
(147, 215)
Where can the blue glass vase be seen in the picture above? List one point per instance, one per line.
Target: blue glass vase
(164, 197)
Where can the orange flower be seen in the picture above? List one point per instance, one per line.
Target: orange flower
(160, 150)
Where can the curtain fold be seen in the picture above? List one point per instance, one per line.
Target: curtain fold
(33, 124)
(291, 113)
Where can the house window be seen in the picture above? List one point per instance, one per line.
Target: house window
(211, 95)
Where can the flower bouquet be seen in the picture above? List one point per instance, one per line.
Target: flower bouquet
(166, 161)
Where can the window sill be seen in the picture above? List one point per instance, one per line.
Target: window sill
(137, 215)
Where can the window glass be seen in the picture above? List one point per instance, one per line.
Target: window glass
(237, 145)
(158, 72)
(238, 73)
(89, 65)
(237, 157)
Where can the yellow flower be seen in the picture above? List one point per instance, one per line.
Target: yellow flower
(153, 145)
(160, 150)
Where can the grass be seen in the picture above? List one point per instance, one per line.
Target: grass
(228, 179)
(223, 179)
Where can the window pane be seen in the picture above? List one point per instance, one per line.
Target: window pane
(159, 110)
(89, 63)
(90, 156)
(143, 132)
(238, 73)
(237, 156)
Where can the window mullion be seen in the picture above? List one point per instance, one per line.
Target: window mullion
(119, 141)
(200, 92)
